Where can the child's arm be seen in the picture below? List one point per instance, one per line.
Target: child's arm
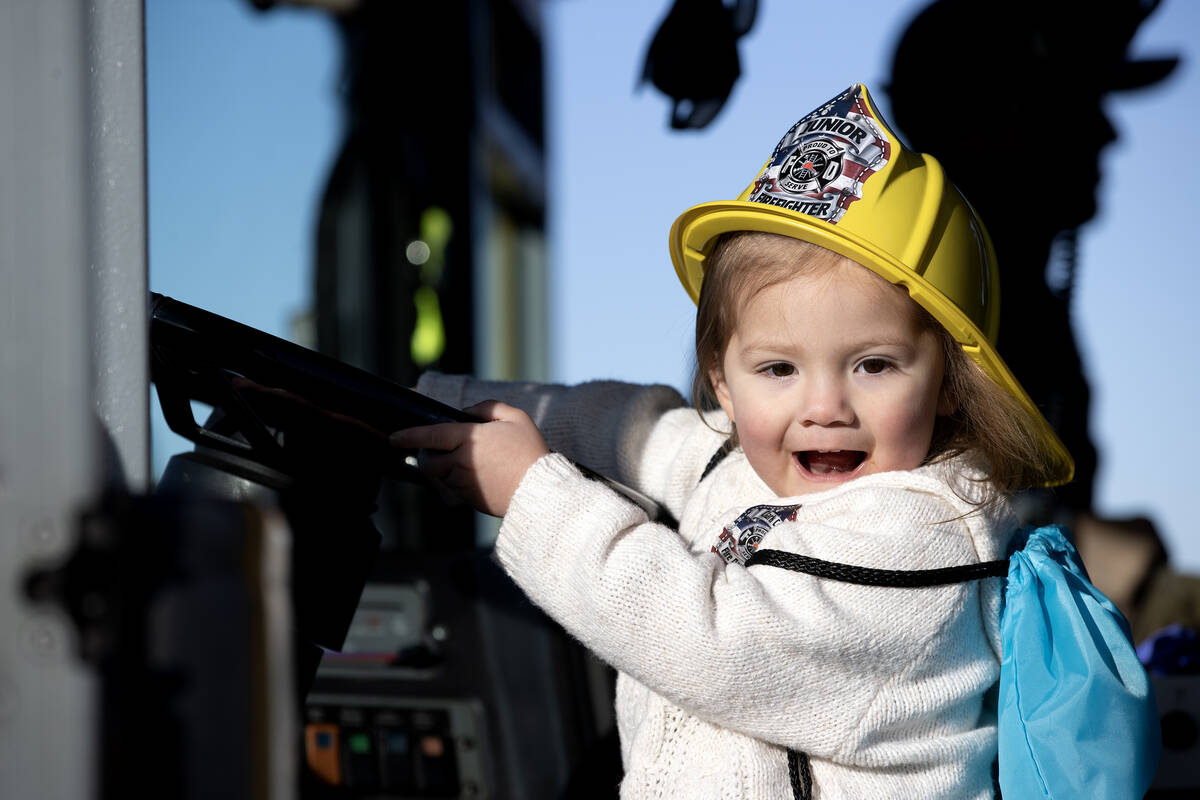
(482, 463)
(625, 431)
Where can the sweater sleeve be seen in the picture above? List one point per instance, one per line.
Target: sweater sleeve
(821, 667)
(644, 436)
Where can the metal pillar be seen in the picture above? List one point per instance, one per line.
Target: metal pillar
(72, 307)
(117, 208)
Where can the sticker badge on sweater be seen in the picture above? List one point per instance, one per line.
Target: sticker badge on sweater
(820, 165)
(740, 538)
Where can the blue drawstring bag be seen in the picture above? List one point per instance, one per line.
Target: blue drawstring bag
(1077, 714)
(1076, 709)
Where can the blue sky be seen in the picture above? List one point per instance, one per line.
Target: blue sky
(243, 124)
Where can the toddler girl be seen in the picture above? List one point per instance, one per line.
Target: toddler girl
(852, 408)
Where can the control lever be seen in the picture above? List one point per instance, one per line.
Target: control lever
(291, 409)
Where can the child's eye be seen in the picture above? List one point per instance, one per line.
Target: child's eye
(874, 366)
(779, 370)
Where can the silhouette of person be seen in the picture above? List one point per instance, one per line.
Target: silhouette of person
(1009, 97)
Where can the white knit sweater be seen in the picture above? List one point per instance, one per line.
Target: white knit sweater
(720, 666)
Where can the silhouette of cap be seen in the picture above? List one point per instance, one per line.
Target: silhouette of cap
(1021, 44)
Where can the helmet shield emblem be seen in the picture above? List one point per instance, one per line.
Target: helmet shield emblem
(811, 167)
(819, 166)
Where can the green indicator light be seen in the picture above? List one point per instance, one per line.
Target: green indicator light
(359, 743)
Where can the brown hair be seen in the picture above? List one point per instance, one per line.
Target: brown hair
(987, 420)
(741, 265)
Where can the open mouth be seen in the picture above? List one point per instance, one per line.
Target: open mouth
(830, 462)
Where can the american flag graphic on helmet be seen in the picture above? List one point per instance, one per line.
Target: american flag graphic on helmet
(820, 165)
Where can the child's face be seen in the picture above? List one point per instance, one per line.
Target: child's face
(829, 377)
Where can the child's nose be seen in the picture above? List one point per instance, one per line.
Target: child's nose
(825, 403)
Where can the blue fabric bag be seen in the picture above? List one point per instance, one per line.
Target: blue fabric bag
(1077, 714)
(1076, 709)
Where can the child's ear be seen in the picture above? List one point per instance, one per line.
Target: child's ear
(716, 379)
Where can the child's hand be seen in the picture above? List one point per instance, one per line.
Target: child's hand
(481, 462)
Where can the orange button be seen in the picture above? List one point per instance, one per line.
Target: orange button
(322, 752)
(433, 746)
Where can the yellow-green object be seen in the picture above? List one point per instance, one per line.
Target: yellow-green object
(435, 229)
(841, 179)
(429, 334)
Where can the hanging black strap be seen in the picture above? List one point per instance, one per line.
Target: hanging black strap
(800, 775)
